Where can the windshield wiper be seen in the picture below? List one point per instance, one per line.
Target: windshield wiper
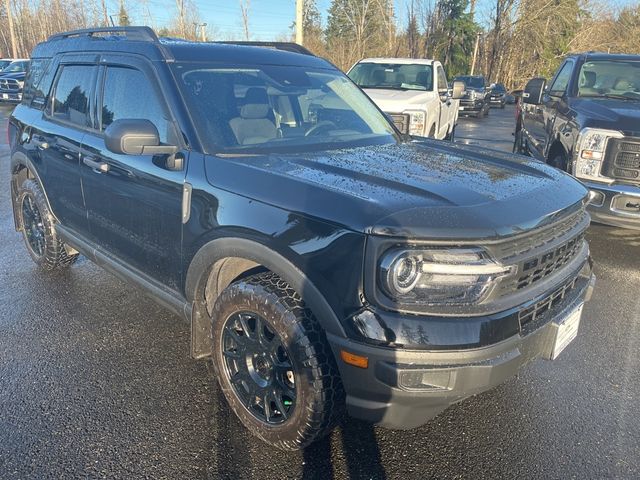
(383, 87)
(614, 96)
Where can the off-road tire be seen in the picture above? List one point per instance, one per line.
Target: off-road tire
(319, 392)
(53, 256)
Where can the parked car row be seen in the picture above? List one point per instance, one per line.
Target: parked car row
(12, 75)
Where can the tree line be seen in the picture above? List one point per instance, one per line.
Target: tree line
(509, 42)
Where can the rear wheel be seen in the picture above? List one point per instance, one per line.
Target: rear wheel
(38, 229)
(274, 364)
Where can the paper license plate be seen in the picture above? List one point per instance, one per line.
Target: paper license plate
(567, 331)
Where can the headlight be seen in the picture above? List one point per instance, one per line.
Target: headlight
(21, 83)
(439, 276)
(590, 152)
(417, 122)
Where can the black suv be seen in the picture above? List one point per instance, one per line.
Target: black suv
(498, 95)
(586, 121)
(476, 99)
(322, 259)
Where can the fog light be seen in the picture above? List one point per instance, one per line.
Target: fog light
(596, 198)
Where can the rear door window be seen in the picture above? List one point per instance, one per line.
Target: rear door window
(72, 93)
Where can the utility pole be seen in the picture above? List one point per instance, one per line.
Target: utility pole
(203, 32)
(299, 22)
(475, 53)
(12, 33)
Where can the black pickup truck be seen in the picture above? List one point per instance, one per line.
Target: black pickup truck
(586, 121)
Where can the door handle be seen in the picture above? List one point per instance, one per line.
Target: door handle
(101, 167)
(40, 142)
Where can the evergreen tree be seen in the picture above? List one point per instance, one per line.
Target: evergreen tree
(123, 16)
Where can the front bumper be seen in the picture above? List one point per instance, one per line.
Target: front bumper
(386, 393)
(470, 106)
(497, 101)
(615, 204)
(10, 96)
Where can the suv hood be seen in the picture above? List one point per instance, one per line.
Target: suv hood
(429, 189)
(609, 113)
(399, 100)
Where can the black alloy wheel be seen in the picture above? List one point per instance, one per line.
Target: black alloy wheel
(258, 367)
(33, 225)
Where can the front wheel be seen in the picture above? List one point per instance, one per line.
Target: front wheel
(451, 136)
(274, 364)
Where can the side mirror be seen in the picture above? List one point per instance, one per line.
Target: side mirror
(135, 136)
(458, 89)
(534, 90)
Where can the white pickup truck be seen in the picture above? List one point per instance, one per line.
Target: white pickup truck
(413, 92)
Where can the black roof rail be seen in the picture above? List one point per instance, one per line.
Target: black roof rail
(142, 33)
(287, 46)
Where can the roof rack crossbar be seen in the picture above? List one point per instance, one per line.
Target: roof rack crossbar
(132, 33)
(288, 46)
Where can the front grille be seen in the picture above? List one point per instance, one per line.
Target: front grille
(541, 253)
(532, 312)
(534, 270)
(623, 159)
(9, 84)
(536, 239)
(401, 121)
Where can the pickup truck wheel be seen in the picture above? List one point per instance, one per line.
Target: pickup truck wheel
(518, 143)
(559, 161)
(38, 230)
(274, 364)
(451, 136)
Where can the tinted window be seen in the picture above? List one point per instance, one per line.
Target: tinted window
(271, 107)
(561, 81)
(471, 82)
(72, 93)
(32, 88)
(129, 94)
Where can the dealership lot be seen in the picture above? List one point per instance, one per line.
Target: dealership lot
(95, 380)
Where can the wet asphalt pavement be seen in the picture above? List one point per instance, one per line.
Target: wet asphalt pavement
(96, 381)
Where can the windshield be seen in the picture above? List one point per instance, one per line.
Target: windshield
(4, 63)
(499, 88)
(391, 76)
(16, 67)
(278, 108)
(471, 82)
(615, 79)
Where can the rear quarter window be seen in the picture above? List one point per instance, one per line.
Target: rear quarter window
(36, 83)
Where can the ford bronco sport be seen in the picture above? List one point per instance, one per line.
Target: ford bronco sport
(323, 259)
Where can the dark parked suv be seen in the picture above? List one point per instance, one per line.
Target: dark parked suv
(586, 121)
(322, 259)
